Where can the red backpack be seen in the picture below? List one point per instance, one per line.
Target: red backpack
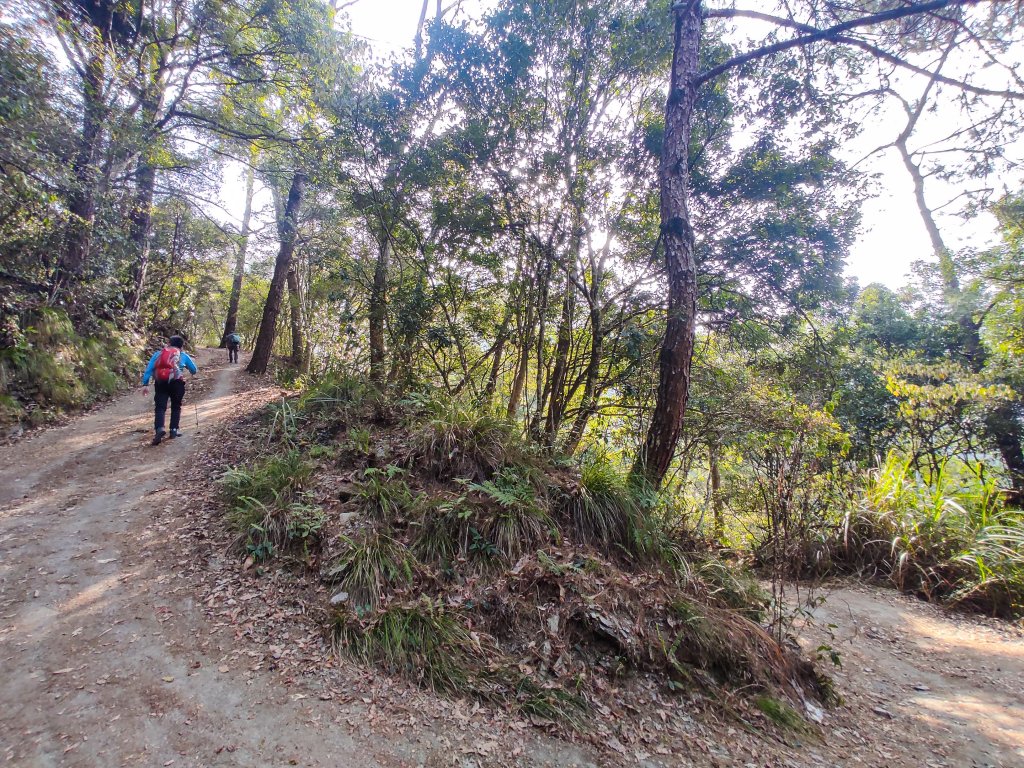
(166, 368)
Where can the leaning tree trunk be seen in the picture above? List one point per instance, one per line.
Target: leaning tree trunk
(287, 228)
(231, 321)
(676, 355)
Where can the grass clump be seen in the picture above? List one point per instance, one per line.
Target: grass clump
(422, 641)
(517, 521)
(442, 530)
(370, 563)
(781, 713)
(383, 492)
(732, 586)
(602, 505)
(549, 703)
(337, 394)
(454, 439)
(274, 480)
(267, 529)
(943, 534)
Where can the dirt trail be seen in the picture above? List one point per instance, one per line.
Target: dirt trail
(922, 686)
(106, 660)
(102, 666)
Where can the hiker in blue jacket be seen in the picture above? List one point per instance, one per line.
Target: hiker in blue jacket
(234, 342)
(167, 369)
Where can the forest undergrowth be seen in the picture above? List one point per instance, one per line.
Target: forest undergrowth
(944, 534)
(464, 559)
(49, 367)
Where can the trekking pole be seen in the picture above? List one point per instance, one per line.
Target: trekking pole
(196, 404)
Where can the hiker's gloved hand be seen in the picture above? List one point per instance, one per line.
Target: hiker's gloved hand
(145, 391)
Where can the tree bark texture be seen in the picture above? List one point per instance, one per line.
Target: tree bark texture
(378, 308)
(557, 399)
(141, 233)
(676, 354)
(297, 322)
(287, 228)
(82, 200)
(231, 321)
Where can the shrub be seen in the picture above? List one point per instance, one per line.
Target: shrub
(943, 534)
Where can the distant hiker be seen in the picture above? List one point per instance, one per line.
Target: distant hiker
(234, 342)
(167, 369)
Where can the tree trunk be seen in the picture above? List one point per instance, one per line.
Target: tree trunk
(676, 354)
(378, 310)
(82, 200)
(1002, 426)
(297, 324)
(523, 367)
(541, 383)
(716, 489)
(141, 233)
(287, 227)
(231, 322)
(588, 405)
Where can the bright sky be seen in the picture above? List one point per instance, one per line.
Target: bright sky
(893, 236)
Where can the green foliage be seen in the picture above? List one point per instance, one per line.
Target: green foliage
(265, 529)
(360, 440)
(443, 531)
(781, 713)
(516, 520)
(455, 439)
(52, 368)
(602, 506)
(731, 585)
(338, 396)
(942, 533)
(549, 703)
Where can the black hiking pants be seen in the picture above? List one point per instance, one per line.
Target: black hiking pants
(162, 392)
(232, 353)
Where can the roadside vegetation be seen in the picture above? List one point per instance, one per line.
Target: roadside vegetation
(465, 558)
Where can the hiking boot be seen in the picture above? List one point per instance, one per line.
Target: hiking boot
(175, 433)
(158, 437)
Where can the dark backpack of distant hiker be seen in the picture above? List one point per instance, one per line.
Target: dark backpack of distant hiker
(167, 365)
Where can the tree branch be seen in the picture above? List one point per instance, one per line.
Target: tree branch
(833, 33)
